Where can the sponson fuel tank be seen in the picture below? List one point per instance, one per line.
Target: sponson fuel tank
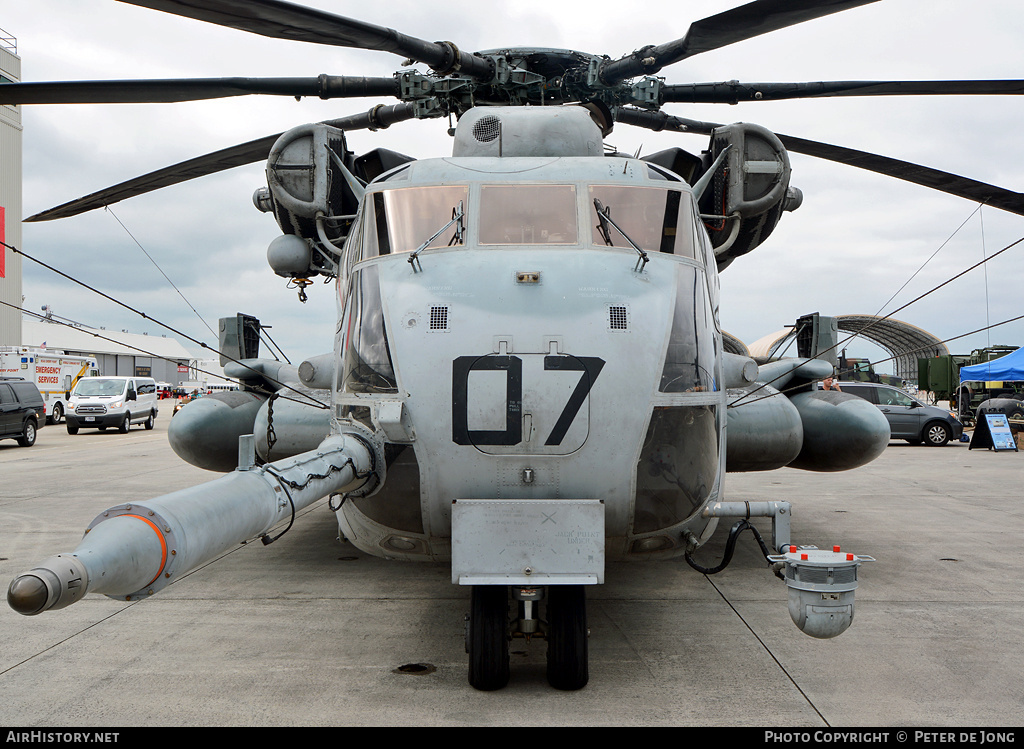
(808, 429)
(285, 410)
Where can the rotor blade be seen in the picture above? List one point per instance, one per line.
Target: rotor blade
(733, 92)
(283, 20)
(954, 184)
(192, 89)
(246, 153)
(735, 25)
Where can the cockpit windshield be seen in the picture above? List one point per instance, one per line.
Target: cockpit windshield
(655, 219)
(646, 219)
(402, 220)
(528, 214)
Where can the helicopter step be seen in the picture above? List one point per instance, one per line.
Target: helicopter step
(528, 542)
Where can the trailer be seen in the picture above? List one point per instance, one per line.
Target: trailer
(53, 372)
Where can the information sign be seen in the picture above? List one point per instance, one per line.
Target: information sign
(999, 429)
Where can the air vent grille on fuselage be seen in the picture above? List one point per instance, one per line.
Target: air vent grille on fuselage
(618, 318)
(439, 318)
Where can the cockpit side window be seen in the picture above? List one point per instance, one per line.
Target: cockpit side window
(365, 355)
(690, 357)
(655, 219)
(703, 251)
(528, 214)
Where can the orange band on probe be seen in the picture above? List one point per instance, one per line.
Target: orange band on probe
(163, 545)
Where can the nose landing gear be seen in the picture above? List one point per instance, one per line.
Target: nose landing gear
(488, 632)
(487, 637)
(568, 665)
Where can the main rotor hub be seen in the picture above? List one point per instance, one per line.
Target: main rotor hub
(522, 76)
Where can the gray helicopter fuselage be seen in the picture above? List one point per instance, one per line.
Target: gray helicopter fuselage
(518, 356)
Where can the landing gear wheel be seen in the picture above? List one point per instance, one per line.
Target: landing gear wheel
(125, 425)
(568, 666)
(487, 637)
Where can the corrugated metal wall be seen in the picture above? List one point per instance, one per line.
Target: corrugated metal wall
(124, 365)
(10, 200)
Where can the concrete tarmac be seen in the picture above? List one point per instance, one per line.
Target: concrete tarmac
(311, 632)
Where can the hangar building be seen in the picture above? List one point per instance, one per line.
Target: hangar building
(117, 353)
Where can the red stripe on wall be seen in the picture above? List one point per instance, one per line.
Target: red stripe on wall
(3, 238)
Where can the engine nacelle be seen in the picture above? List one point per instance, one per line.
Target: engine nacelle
(749, 191)
(314, 186)
(302, 179)
(310, 198)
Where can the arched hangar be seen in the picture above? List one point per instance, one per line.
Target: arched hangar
(904, 342)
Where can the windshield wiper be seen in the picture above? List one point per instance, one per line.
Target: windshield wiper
(458, 218)
(604, 217)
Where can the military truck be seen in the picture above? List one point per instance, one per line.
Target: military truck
(940, 375)
(854, 369)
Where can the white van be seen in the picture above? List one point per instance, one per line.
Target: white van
(103, 402)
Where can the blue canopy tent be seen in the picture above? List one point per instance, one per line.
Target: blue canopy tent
(990, 431)
(1005, 368)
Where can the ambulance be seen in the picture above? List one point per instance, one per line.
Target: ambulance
(53, 373)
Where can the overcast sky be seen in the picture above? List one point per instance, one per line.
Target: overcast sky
(857, 239)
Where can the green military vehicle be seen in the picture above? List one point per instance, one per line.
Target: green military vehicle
(854, 369)
(940, 375)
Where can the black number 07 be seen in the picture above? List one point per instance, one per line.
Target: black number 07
(590, 366)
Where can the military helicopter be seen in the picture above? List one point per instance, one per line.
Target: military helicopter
(528, 375)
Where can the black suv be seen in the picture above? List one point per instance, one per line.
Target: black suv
(21, 410)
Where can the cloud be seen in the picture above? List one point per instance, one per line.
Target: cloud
(856, 240)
